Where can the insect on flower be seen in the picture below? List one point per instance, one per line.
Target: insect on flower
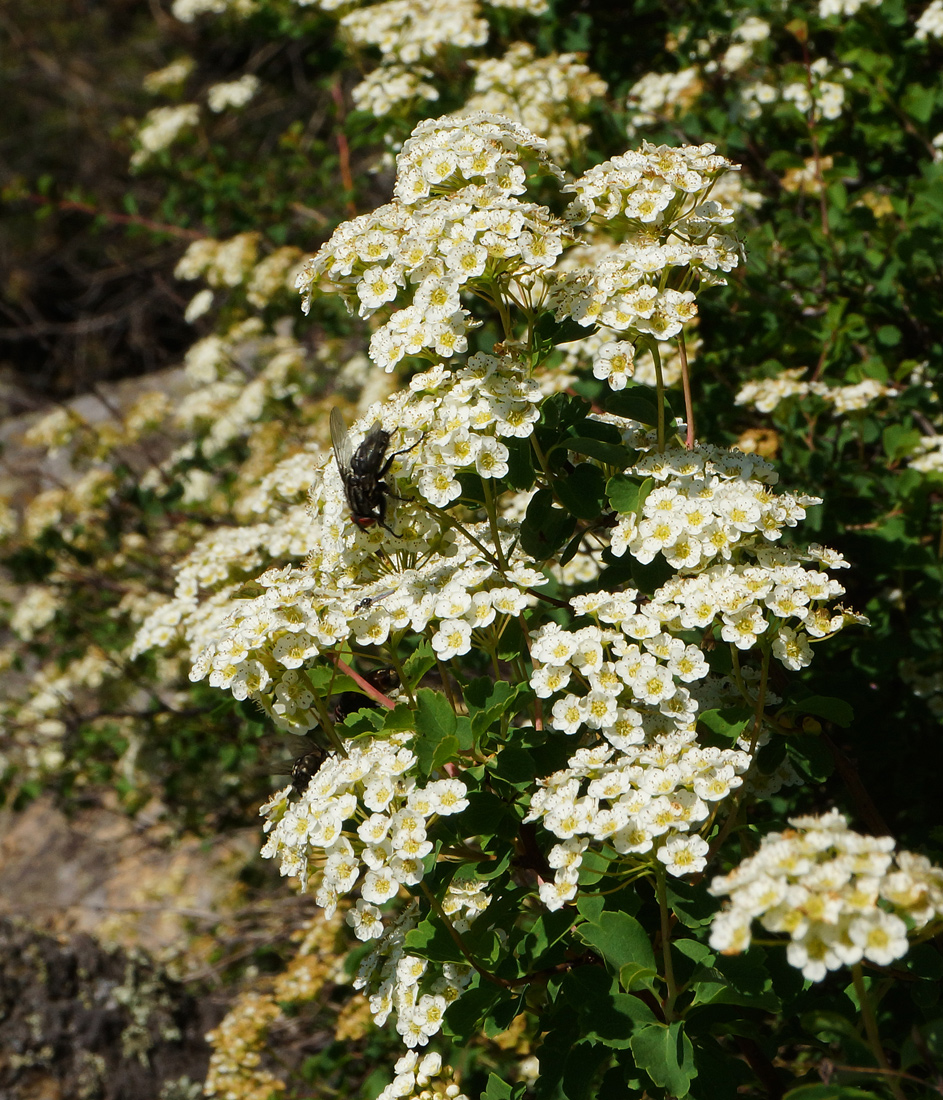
(368, 601)
(306, 767)
(362, 471)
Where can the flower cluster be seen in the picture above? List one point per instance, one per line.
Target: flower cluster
(391, 86)
(637, 799)
(824, 96)
(416, 1079)
(657, 96)
(410, 30)
(712, 515)
(221, 263)
(928, 455)
(233, 93)
(433, 575)
(546, 94)
(839, 896)
(930, 23)
(362, 814)
(423, 250)
(234, 1070)
(704, 503)
(659, 198)
(615, 361)
(766, 393)
(161, 128)
(414, 991)
(170, 76)
(846, 8)
(189, 10)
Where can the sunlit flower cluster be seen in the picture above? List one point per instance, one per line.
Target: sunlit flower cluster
(170, 76)
(657, 96)
(234, 1072)
(546, 94)
(659, 197)
(221, 263)
(766, 394)
(423, 251)
(587, 354)
(391, 86)
(432, 576)
(274, 274)
(930, 23)
(233, 93)
(161, 127)
(839, 896)
(414, 991)
(189, 10)
(35, 610)
(846, 8)
(422, 1079)
(637, 799)
(362, 822)
(928, 455)
(411, 30)
(739, 53)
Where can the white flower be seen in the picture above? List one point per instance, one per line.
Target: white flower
(684, 855)
(452, 639)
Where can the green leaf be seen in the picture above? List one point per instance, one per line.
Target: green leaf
(624, 946)
(463, 1018)
(501, 1090)
(435, 723)
(545, 527)
(899, 442)
(635, 402)
(487, 700)
(927, 1038)
(550, 332)
(666, 1055)
(515, 765)
(520, 462)
(612, 454)
(431, 940)
(649, 577)
(626, 493)
(919, 102)
(571, 549)
(418, 664)
(728, 723)
(832, 1026)
(486, 816)
(605, 1014)
(561, 411)
(547, 930)
(582, 491)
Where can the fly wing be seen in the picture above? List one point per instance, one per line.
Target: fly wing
(341, 440)
(368, 458)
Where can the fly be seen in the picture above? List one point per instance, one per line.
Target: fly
(306, 767)
(362, 472)
(368, 601)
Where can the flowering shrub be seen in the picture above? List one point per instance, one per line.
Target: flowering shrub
(544, 578)
(547, 637)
